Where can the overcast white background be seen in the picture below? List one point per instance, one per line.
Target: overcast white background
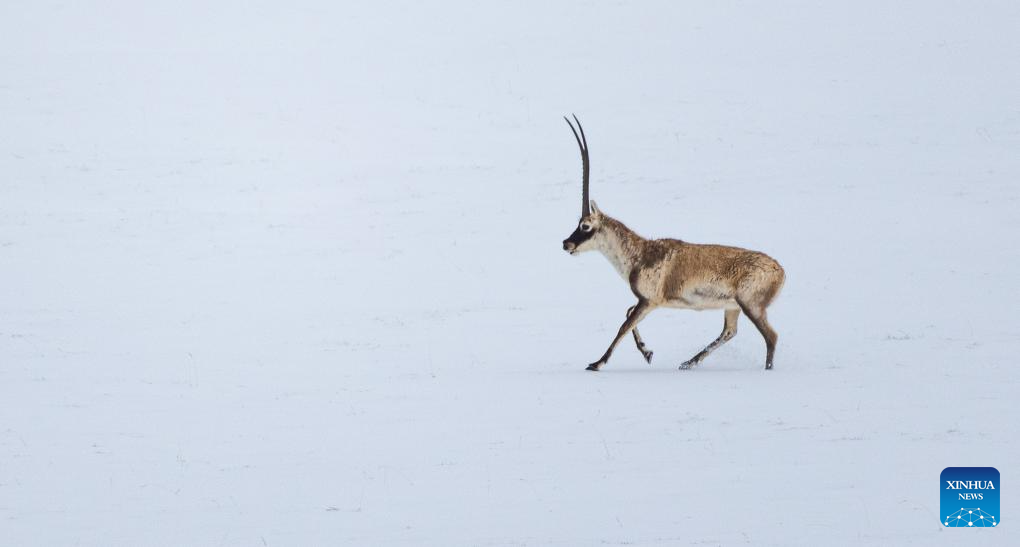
(290, 273)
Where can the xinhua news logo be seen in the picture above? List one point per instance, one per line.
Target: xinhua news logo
(970, 497)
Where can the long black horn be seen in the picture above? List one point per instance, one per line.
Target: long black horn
(582, 143)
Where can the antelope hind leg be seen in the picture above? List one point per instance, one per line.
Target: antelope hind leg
(729, 331)
(758, 316)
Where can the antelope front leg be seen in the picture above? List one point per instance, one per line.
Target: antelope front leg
(637, 340)
(640, 311)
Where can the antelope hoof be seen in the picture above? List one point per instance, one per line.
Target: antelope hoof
(648, 356)
(688, 365)
(768, 366)
(594, 366)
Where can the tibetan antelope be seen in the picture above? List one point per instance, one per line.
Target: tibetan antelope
(677, 274)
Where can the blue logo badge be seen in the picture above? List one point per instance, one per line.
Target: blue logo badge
(970, 497)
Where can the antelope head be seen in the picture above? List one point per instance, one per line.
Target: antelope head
(587, 234)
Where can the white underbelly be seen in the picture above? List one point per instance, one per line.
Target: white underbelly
(697, 302)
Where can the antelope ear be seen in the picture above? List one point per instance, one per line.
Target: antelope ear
(594, 208)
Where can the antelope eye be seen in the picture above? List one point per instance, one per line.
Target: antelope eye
(586, 227)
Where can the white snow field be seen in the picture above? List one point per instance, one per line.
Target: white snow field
(289, 274)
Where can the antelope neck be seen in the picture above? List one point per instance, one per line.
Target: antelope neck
(620, 246)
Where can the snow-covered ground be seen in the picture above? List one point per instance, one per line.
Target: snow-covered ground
(290, 273)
